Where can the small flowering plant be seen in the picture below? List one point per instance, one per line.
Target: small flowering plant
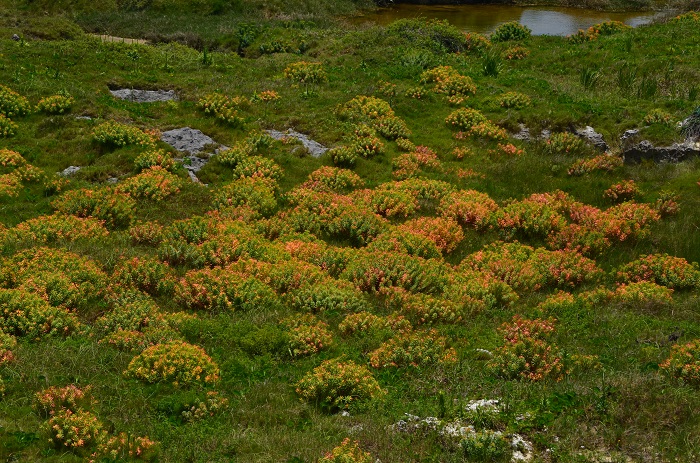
(623, 191)
(71, 397)
(603, 162)
(514, 100)
(118, 134)
(124, 447)
(684, 362)
(224, 108)
(305, 72)
(658, 116)
(7, 127)
(347, 452)
(565, 143)
(56, 104)
(515, 53)
(12, 104)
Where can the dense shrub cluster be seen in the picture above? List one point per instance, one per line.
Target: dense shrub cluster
(338, 384)
(174, 362)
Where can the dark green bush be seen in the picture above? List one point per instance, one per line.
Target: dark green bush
(510, 31)
(432, 33)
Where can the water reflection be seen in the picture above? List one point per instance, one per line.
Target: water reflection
(485, 18)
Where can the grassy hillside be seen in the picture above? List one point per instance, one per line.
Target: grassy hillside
(287, 302)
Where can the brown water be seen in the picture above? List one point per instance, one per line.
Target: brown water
(485, 18)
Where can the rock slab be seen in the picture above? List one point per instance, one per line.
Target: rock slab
(315, 148)
(596, 139)
(192, 142)
(677, 152)
(143, 96)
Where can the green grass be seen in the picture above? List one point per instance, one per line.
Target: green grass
(626, 409)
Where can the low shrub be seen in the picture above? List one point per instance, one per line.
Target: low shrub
(56, 104)
(405, 242)
(603, 162)
(258, 166)
(367, 322)
(337, 384)
(118, 135)
(347, 452)
(175, 362)
(224, 108)
(331, 297)
(465, 118)
(444, 232)
(56, 227)
(150, 233)
(514, 100)
(527, 353)
(377, 270)
(566, 144)
(155, 183)
(643, 293)
(515, 53)
(26, 314)
(486, 445)
(510, 31)
(154, 158)
(12, 104)
(468, 207)
(123, 447)
(74, 430)
(145, 274)
(7, 127)
(623, 191)
(307, 335)
(115, 208)
(438, 35)
(305, 72)
(258, 193)
(662, 269)
(413, 349)
(333, 179)
(684, 362)
(658, 116)
(7, 344)
(71, 397)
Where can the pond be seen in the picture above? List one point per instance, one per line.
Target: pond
(485, 18)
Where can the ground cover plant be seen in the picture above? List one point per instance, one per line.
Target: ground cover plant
(431, 288)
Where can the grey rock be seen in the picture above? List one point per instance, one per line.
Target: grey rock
(596, 139)
(187, 139)
(143, 96)
(112, 180)
(523, 134)
(70, 170)
(16, 37)
(192, 142)
(629, 134)
(677, 152)
(545, 134)
(83, 118)
(315, 148)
